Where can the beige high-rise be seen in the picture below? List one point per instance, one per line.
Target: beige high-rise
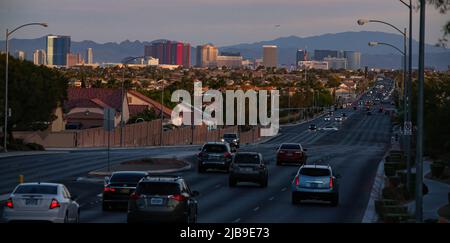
(207, 55)
(270, 58)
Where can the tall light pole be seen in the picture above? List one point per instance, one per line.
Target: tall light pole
(122, 93)
(8, 34)
(409, 96)
(406, 88)
(419, 151)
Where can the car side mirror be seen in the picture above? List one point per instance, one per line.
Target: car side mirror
(305, 149)
(337, 176)
(199, 149)
(195, 193)
(106, 180)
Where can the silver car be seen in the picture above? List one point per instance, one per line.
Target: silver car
(315, 182)
(41, 202)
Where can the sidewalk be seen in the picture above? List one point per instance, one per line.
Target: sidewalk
(436, 197)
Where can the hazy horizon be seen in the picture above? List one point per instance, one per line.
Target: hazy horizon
(222, 23)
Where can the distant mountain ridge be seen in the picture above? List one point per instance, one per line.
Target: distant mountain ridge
(380, 56)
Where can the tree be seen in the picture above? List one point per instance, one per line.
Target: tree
(34, 93)
(146, 115)
(443, 6)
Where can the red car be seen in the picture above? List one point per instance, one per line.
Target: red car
(291, 153)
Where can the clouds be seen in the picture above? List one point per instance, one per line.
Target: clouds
(198, 21)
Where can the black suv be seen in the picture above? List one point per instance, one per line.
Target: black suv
(232, 139)
(214, 155)
(162, 199)
(118, 188)
(248, 167)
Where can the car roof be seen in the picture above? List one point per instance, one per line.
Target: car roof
(251, 153)
(316, 166)
(162, 178)
(216, 143)
(291, 144)
(40, 183)
(129, 173)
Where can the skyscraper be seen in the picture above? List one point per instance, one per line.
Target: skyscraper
(207, 55)
(270, 56)
(57, 49)
(20, 55)
(319, 55)
(302, 55)
(169, 52)
(353, 59)
(39, 57)
(73, 59)
(89, 56)
(336, 62)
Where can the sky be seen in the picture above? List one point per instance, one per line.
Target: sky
(224, 22)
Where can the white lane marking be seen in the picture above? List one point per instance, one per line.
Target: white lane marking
(271, 198)
(256, 209)
(237, 220)
(100, 195)
(218, 185)
(284, 189)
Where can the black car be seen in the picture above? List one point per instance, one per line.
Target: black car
(248, 167)
(163, 198)
(313, 127)
(232, 139)
(119, 187)
(214, 155)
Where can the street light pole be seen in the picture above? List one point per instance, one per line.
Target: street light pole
(9, 33)
(121, 108)
(419, 151)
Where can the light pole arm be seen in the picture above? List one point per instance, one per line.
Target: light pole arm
(386, 23)
(8, 33)
(396, 48)
(407, 5)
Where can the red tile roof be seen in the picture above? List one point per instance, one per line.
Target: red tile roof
(136, 109)
(93, 97)
(155, 104)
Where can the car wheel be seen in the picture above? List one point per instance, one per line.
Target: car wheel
(66, 218)
(264, 183)
(295, 199)
(232, 182)
(278, 163)
(77, 219)
(201, 169)
(106, 206)
(335, 201)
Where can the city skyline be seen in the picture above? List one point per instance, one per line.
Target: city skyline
(217, 22)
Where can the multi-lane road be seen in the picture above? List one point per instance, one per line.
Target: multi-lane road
(354, 151)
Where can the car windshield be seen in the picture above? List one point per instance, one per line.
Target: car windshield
(126, 177)
(229, 136)
(37, 189)
(315, 172)
(290, 146)
(246, 159)
(158, 188)
(215, 148)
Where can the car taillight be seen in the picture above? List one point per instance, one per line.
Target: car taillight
(135, 196)
(178, 197)
(109, 189)
(227, 154)
(54, 204)
(9, 203)
(331, 182)
(297, 180)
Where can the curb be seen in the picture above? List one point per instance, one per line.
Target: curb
(88, 149)
(8, 154)
(370, 216)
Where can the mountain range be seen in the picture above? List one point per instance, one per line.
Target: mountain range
(380, 56)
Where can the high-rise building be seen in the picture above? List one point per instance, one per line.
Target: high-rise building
(313, 65)
(73, 59)
(57, 49)
(302, 55)
(270, 56)
(336, 62)
(21, 55)
(170, 52)
(39, 57)
(353, 59)
(207, 55)
(319, 55)
(229, 61)
(89, 56)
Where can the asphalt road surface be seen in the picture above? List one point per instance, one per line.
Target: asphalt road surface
(353, 151)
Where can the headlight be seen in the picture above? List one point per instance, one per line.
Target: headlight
(223, 140)
(234, 140)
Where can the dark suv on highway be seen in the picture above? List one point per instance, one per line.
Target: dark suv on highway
(248, 167)
(162, 199)
(118, 188)
(214, 155)
(232, 139)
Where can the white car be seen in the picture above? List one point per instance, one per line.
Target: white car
(338, 118)
(329, 128)
(327, 118)
(47, 202)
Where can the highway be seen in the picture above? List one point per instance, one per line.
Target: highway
(353, 151)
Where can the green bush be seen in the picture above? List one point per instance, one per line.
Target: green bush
(35, 146)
